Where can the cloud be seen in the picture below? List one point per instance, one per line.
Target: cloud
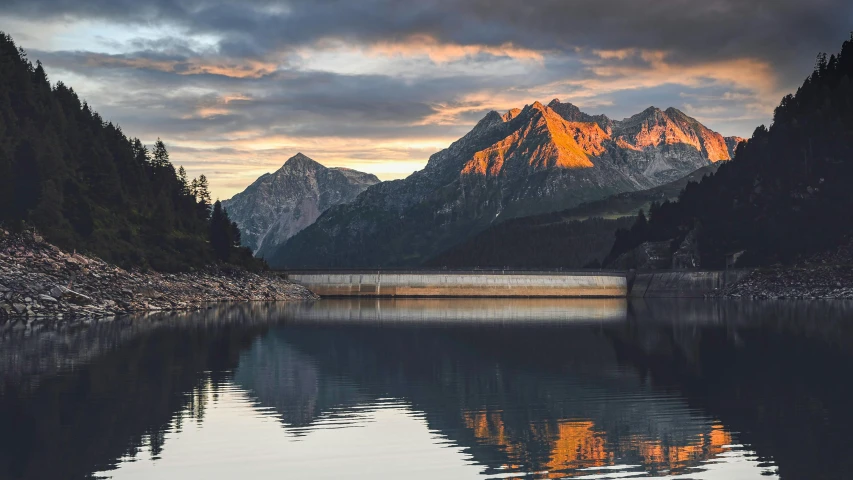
(380, 84)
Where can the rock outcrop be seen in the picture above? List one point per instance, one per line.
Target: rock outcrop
(278, 205)
(825, 275)
(732, 144)
(648, 256)
(535, 160)
(40, 280)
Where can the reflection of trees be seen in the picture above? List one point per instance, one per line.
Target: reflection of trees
(774, 371)
(71, 424)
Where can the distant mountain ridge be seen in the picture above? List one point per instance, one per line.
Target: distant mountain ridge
(528, 161)
(278, 205)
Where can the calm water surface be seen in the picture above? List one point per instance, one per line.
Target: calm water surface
(438, 389)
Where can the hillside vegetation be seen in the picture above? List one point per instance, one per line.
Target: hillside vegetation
(85, 185)
(786, 195)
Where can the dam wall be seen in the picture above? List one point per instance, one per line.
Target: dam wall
(681, 284)
(462, 284)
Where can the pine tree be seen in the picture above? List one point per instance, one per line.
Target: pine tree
(140, 152)
(27, 181)
(220, 232)
(194, 188)
(182, 177)
(236, 239)
(202, 191)
(160, 154)
(7, 189)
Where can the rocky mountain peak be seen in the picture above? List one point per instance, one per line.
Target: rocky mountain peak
(276, 207)
(302, 162)
(572, 113)
(654, 127)
(511, 114)
(567, 110)
(540, 140)
(673, 112)
(492, 118)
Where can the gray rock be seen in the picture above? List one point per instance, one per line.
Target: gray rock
(76, 297)
(47, 299)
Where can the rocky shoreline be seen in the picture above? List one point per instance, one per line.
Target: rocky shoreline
(827, 275)
(38, 280)
(802, 282)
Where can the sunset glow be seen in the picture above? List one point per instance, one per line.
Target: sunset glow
(235, 89)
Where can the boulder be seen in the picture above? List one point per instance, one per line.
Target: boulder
(47, 299)
(76, 297)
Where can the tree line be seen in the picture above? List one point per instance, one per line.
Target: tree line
(85, 185)
(786, 194)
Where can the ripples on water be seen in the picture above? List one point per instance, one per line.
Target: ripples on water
(435, 389)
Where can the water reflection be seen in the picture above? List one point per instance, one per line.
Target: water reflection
(435, 388)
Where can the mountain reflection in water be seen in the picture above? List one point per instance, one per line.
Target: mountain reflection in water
(449, 388)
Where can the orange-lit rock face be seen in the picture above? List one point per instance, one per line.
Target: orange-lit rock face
(653, 128)
(579, 444)
(511, 114)
(541, 140)
(561, 136)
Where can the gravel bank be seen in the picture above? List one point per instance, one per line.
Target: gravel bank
(40, 280)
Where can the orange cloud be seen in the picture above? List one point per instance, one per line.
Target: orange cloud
(192, 66)
(441, 52)
(218, 106)
(612, 75)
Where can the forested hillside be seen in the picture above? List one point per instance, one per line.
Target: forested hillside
(529, 243)
(83, 184)
(578, 237)
(788, 191)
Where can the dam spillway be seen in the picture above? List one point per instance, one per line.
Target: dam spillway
(499, 283)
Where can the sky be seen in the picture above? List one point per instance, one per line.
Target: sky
(236, 87)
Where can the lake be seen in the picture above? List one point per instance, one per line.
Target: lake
(436, 389)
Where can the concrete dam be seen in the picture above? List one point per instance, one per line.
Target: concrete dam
(497, 283)
(506, 283)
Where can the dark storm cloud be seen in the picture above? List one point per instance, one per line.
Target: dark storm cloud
(694, 31)
(292, 102)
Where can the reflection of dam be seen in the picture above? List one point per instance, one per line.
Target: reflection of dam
(463, 284)
(460, 310)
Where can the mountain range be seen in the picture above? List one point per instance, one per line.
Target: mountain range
(278, 205)
(528, 161)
